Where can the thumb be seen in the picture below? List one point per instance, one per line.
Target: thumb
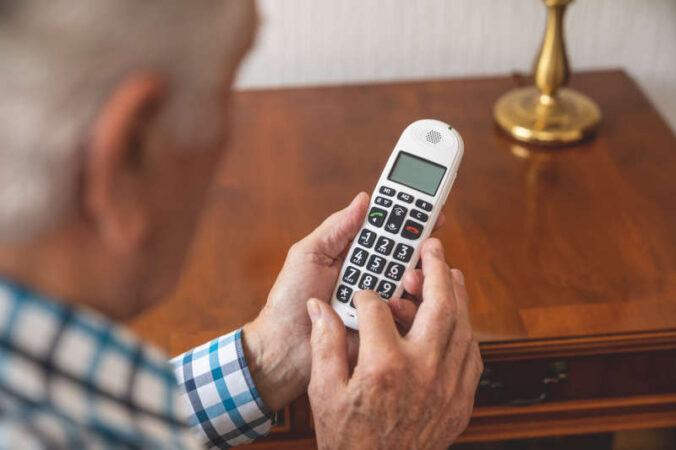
(329, 349)
(333, 236)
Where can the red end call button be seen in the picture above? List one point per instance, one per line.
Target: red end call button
(412, 230)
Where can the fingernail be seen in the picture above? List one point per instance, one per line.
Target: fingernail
(458, 276)
(313, 309)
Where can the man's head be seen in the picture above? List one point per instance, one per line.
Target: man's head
(112, 120)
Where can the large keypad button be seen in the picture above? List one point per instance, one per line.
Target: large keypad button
(367, 238)
(343, 293)
(403, 253)
(397, 216)
(382, 201)
(386, 289)
(419, 215)
(387, 191)
(412, 230)
(377, 216)
(404, 197)
(359, 256)
(384, 245)
(368, 281)
(376, 264)
(394, 271)
(351, 275)
(424, 205)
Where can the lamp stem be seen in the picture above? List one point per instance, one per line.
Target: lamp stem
(551, 66)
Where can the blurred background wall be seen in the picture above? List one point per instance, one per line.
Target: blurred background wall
(310, 42)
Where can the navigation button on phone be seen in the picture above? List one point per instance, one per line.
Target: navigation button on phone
(396, 219)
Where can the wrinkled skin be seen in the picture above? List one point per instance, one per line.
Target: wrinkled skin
(277, 342)
(413, 392)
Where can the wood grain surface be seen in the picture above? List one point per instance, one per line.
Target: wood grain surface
(554, 244)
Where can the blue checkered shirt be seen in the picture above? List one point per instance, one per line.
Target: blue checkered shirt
(72, 379)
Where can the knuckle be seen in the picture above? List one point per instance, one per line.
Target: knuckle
(295, 249)
(386, 376)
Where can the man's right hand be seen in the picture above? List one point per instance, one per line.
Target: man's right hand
(415, 391)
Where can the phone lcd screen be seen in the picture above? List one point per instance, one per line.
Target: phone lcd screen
(417, 173)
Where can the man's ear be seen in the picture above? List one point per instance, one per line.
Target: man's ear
(115, 176)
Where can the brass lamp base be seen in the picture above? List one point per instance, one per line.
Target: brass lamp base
(530, 116)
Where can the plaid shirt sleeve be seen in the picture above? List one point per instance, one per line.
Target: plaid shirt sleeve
(223, 403)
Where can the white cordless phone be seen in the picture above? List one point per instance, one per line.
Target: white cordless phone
(404, 207)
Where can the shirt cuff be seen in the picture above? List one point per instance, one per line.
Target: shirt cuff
(223, 403)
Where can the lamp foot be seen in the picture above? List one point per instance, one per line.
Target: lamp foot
(529, 116)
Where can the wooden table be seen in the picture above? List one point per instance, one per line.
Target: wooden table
(569, 255)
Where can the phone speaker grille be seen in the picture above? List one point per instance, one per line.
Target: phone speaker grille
(433, 137)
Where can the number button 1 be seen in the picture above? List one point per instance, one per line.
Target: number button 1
(359, 256)
(385, 289)
(368, 281)
(367, 238)
(394, 271)
(351, 275)
(403, 252)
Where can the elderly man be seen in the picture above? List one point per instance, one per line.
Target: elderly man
(112, 120)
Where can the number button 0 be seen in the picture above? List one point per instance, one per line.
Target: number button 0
(394, 271)
(367, 238)
(351, 275)
(403, 253)
(376, 264)
(359, 256)
(368, 281)
(384, 245)
(385, 289)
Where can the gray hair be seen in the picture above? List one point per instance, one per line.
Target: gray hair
(60, 58)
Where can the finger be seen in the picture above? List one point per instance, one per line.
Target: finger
(413, 282)
(334, 235)
(329, 349)
(441, 220)
(435, 319)
(403, 310)
(377, 331)
(461, 338)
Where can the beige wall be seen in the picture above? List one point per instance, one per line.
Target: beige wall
(306, 42)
